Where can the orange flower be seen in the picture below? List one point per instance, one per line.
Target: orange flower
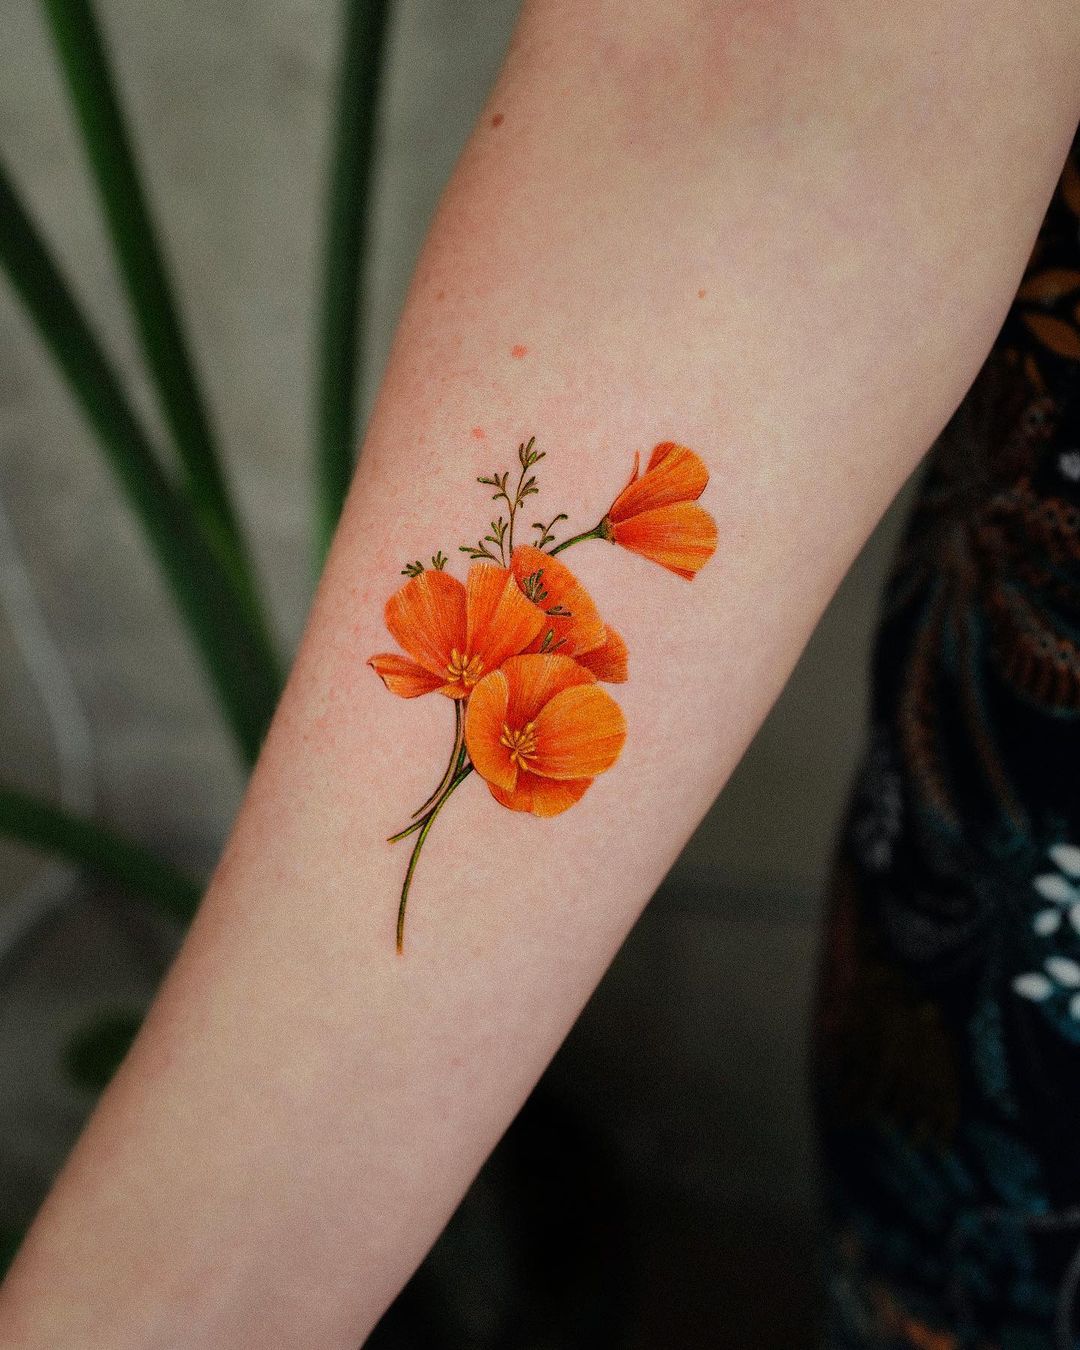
(455, 634)
(609, 661)
(572, 626)
(539, 730)
(656, 514)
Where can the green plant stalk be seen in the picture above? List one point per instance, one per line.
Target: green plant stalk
(347, 214)
(423, 826)
(246, 684)
(455, 757)
(135, 869)
(463, 770)
(109, 149)
(600, 531)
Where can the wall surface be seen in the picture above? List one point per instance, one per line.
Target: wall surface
(102, 703)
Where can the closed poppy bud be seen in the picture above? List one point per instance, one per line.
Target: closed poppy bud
(657, 515)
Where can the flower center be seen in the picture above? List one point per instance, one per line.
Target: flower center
(464, 668)
(521, 743)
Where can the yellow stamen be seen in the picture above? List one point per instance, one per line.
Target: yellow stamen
(464, 668)
(521, 743)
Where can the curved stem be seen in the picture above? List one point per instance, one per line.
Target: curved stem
(455, 756)
(597, 532)
(462, 773)
(424, 827)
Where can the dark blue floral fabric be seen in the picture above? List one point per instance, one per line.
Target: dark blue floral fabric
(948, 1028)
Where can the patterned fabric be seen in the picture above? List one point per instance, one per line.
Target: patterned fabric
(948, 1030)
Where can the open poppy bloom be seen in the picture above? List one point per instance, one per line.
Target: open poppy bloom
(572, 626)
(539, 729)
(455, 634)
(657, 514)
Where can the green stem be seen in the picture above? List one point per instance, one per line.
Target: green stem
(52, 830)
(513, 505)
(246, 685)
(463, 771)
(424, 827)
(100, 116)
(347, 219)
(455, 756)
(597, 532)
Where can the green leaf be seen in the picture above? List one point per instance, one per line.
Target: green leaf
(94, 1053)
(347, 215)
(246, 681)
(109, 150)
(135, 869)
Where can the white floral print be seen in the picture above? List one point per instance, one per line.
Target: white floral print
(1060, 975)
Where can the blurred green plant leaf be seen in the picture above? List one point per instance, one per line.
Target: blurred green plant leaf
(132, 867)
(247, 684)
(348, 211)
(111, 156)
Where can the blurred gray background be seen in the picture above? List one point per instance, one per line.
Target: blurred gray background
(692, 1052)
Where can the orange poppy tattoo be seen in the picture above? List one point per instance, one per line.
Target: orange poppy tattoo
(521, 649)
(657, 514)
(539, 730)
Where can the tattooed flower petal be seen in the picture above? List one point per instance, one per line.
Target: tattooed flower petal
(673, 474)
(539, 730)
(608, 662)
(456, 633)
(568, 609)
(403, 677)
(656, 514)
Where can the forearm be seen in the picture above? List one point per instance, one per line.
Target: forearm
(786, 250)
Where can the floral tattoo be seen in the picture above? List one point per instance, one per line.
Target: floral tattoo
(520, 648)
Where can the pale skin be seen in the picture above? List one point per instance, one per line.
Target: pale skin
(783, 234)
